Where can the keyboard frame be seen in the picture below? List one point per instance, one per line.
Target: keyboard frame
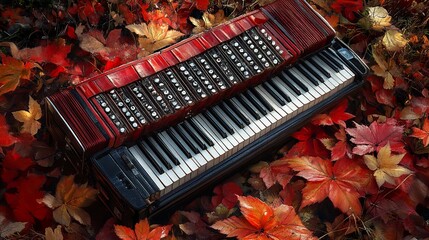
(268, 142)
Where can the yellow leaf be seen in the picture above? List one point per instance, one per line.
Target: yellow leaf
(379, 18)
(30, 117)
(12, 71)
(385, 166)
(208, 21)
(393, 40)
(56, 234)
(385, 69)
(69, 200)
(154, 36)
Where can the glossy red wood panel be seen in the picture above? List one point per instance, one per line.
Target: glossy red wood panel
(231, 30)
(208, 40)
(89, 89)
(104, 84)
(188, 50)
(169, 57)
(123, 76)
(158, 63)
(258, 18)
(144, 69)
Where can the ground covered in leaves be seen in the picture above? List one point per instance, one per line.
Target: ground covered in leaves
(358, 171)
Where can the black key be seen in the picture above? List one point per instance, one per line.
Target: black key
(282, 76)
(216, 126)
(328, 54)
(200, 133)
(261, 99)
(327, 61)
(307, 75)
(274, 92)
(158, 153)
(186, 139)
(166, 150)
(252, 99)
(221, 121)
(178, 143)
(313, 72)
(231, 115)
(150, 157)
(296, 80)
(191, 133)
(320, 68)
(236, 111)
(248, 108)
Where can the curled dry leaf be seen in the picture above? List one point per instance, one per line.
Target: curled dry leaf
(385, 166)
(30, 118)
(8, 228)
(208, 21)
(69, 200)
(393, 40)
(154, 36)
(51, 234)
(423, 133)
(379, 18)
(12, 72)
(384, 68)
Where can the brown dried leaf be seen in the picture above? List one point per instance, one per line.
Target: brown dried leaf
(208, 21)
(8, 228)
(56, 234)
(394, 41)
(30, 118)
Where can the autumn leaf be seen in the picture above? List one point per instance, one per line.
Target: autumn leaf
(13, 164)
(195, 225)
(202, 5)
(6, 139)
(154, 36)
(423, 133)
(29, 118)
(339, 147)
(393, 40)
(338, 115)
(385, 166)
(309, 142)
(56, 234)
(208, 21)
(379, 18)
(22, 195)
(342, 182)
(276, 171)
(385, 69)
(142, 231)
(226, 194)
(348, 8)
(8, 228)
(375, 136)
(69, 200)
(261, 221)
(12, 71)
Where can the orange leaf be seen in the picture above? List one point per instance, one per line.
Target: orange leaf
(256, 212)
(12, 71)
(341, 183)
(142, 231)
(336, 116)
(423, 133)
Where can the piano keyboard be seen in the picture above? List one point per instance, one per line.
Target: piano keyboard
(163, 162)
(118, 107)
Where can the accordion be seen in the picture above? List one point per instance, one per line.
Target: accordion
(161, 128)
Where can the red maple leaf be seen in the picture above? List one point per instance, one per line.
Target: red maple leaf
(6, 139)
(226, 194)
(13, 164)
(383, 96)
(54, 52)
(142, 231)
(338, 115)
(376, 136)
(22, 196)
(391, 206)
(349, 8)
(276, 171)
(341, 148)
(309, 143)
(263, 222)
(423, 133)
(343, 182)
(202, 5)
